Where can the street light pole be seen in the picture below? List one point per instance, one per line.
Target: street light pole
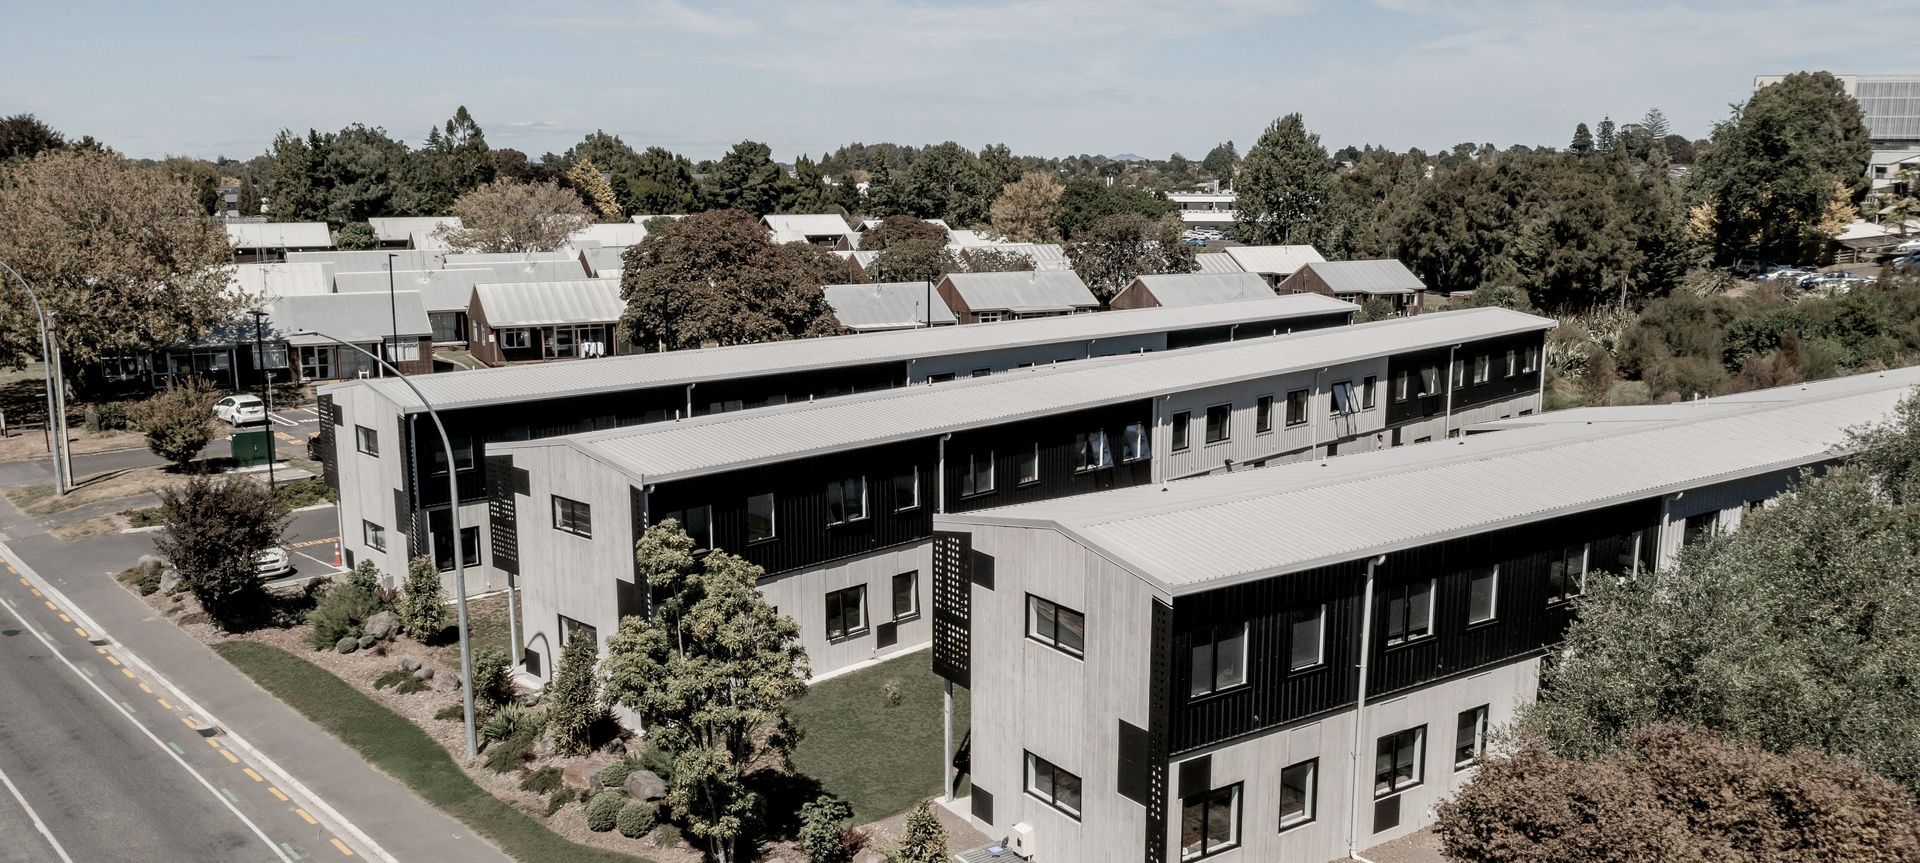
(56, 420)
(459, 552)
(266, 394)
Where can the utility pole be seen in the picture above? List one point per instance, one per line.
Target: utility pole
(266, 393)
(64, 456)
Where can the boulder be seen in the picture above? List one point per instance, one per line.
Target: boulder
(423, 672)
(584, 774)
(150, 563)
(645, 785)
(169, 580)
(444, 682)
(347, 644)
(382, 625)
(408, 663)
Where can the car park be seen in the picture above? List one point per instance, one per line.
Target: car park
(240, 409)
(1815, 279)
(1787, 274)
(1908, 264)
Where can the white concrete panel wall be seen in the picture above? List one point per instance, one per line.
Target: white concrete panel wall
(367, 483)
(1728, 499)
(802, 595)
(560, 572)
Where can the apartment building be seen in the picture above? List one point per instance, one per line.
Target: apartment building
(1297, 663)
(836, 499)
(382, 455)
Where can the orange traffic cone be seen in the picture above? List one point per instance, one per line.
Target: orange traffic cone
(337, 563)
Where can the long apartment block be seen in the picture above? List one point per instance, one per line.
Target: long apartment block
(1176, 672)
(836, 499)
(383, 456)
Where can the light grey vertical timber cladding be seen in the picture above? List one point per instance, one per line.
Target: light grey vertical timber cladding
(562, 572)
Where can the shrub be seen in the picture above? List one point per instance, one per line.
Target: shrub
(402, 682)
(541, 781)
(454, 713)
(575, 703)
(492, 682)
(559, 798)
(636, 819)
(603, 810)
(340, 614)
(365, 576)
(367, 641)
(823, 830)
(923, 840)
(347, 644)
(657, 759)
(511, 721)
(107, 416)
(303, 492)
(212, 530)
(178, 422)
(148, 581)
(507, 755)
(615, 775)
(422, 614)
(893, 692)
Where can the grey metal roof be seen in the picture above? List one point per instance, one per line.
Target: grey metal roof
(887, 305)
(278, 279)
(532, 304)
(279, 235)
(1202, 533)
(1377, 277)
(621, 234)
(1190, 289)
(797, 227)
(1045, 256)
(468, 259)
(441, 290)
(557, 270)
(1216, 262)
(1276, 260)
(599, 261)
(665, 451)
(395, 229)
(357, 318)
(673, 368)
(1024, 293)
(368, 261)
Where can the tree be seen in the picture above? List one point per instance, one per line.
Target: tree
(812, 193)
(586, 179)
(1085, 202)
(1677, 793)
(454, 160)
(23, 136)
(510, 216)
(294, 189)
(364, 172)
(573, 699)
(356, 235)
(710, 672)
(923, 840)
(1582, 141)
(1283, 185)
(747, 179)
(210, 531)
(1220, 161)
(422, 613)
(661, 184)
(1655, 125)
(1124, 247)
(1603, 139)
(1028, 210)
(178, 421)
(948, 182)
(823, 830)
(121, 254)
(718, 278)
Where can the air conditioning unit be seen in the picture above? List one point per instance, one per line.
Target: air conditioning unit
(1023, 840)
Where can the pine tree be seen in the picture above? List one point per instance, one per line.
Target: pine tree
(1603, 141)
(1655, 125)
(923, 840)
(1283, 184)
(573, 698)
(422, 614)
(1582, 141)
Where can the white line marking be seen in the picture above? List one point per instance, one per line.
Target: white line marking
(282, 420)
(37, 823)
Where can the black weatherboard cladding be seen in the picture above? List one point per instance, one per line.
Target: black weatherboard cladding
(1498, 386)
(1253, 330)
(1159, 710)
(329, 461)
(1059, 456)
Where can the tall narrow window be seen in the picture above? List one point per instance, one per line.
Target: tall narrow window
(1056, 787)
(1219, 659)
(367, 440)
(1470, 739)
(1513, 362)
(1341, 398)
(1532, 362)
(1133, 442)
(1409, 614)
(906, 595)
(1182, 431)
(1397, 763)
(1400, 386)
(979, 476)
(847, 500)
(1483, 593)
(760, 517)
(906, 490)
(572, 516)
(1367, 387)
(1029, 464)
(1307, 636)
(1092, 450)
(1429, 380)
(1263, 415)
(847, 612)
(1482, 368)
(1296, 408)
(1056, 626)
(1458, 377)
(1566, 572)
(1210, 822)
(1299, 785)
(1219, 423)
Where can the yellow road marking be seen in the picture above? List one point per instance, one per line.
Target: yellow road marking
(113, 660)
(65, 619)
(146, 689)
(128, 672)
(36, 591)
(163, 703)
(210, 741)
(276, 792)
(251, 775)
(52, 606)
(230, 758)
(23, 582)
(303, 815)
(189, 723)
(80, 632)
(342, 846)
(101, 650)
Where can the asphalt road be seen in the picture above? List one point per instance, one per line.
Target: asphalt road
(101, 760)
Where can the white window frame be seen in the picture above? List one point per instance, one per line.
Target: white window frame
(567, 524)
(1492, 573)
(1039, 605)
(773, 517)
(1343, 399)
(913, 490)
(1134, 440)
(1309, 802)
(1092, 451)
(1226, 426)
(1319, 621)
(839, 488)
(913, 594)
(1029, 459)
(1479, 718)
(860, 626)
(1406, 635)
(374, 535)
(1419, 762)
(1214, 637)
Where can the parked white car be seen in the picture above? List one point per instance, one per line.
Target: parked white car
(239, 410)
(272, 562)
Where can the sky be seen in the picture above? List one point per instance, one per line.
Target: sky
(1055, 78)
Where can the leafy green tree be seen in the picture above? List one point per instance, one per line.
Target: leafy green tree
(1121, 248)
(948, 182)
(364, 171)
(1582, 141)
(661, 184)
(1655, 125)
(210, 531)
(1283, 185)
(355, 236)
(1028, 210)
(711, 672)
(200, 175)
(747, 179)
(811, 191)
(1002, 167)
(573, 699)
(423, 613)
(23, 136)
(510, 216)
(1085, 202)
(294, 188)
(605, 150)
(1220, 161)
(454, 160)
(718, 278)
(823, 830)
(923, 840)
(178, 421)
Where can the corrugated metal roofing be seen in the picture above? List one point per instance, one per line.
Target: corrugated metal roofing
(530, 304)
(1216, 262)
(368, 261)
(1276, 260)
(279, 235)
(665, 451)
(602, 260)
(441, 290)
(1024, 293)
(279, 280)
(563, 269)
(394, 229)
(620, 234)
(1199, 534)
(887, 306)
(357, 318)
(672, 368)
(1192, 289)
(797, 227)
(469, 259)
(1383, 276)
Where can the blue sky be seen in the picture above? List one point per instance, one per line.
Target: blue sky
(1048, 78)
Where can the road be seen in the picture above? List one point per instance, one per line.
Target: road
(101, 757)
(290, 430)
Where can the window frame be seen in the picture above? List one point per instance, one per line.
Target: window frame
(1028, 458)
(1491, 573)
(1297, 408)
(681, 517)
(1180, 437)
(1477, 716)
(1030, 776)
(1482, 368)
(912, 485)
(375, 536)
(970, 480)
(1319, 620)
(1134, 438)
(913, 595)
(1417, 763)
(1404, 594)
(1457, 373)
(472, 560)
(1225, 414)
(1513, 362)
(1530, 359)
(1263, 414)
(1571, 584)
(1309, 797)
(1092, 451)
(1214, 637)
(1038, 604)
(828, 606)
(366, 440)
(773, 518)
(1207, 800)
(570, 629)
(1367, 399)
(1334, 398)
(572, 522)
(1402, 383)
(839, 492)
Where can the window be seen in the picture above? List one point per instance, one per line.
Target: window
(367, 440)
(1056, 626)
(1092, 451)
(1133, 442)
(1030, 465)
(1532, 359)
(1397, 761)
(1513, 362)
(1470, 739)
(1457, 377)
(571, 629)
(316, 362)
(1409, 612)
(940, 378)
(1483, 590)
(981, 373)
(462, 455)
(1306, 638)
(1699, 527)
(375, 535)
(847, 612)
(1482, 368)
(1057, 787)
(1299, 785)
(988, 317)
(1219, 423)
(760, 517)
(1400, 386)
(1210, 822)
(572, 516)
(1263, 415)
(1182, 431)
(1342, 400)
(1367, 387)
(906, 595)
(1296, 408)
(1566, 572)
(1219, 660)
(402, 350)
(979, 475)
(469, 548)
(847, 500)
(906, 491)
(697, 521)
(516, 338)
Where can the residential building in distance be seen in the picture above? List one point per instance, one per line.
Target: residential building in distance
(1189, 289)
(413, 232)
(1359, 281)
(822, 229)
(836, 498)
(604, 262)
(1215, 262)
(873, 308)
(397, 321)
(256, 242)
(446, 294)
(533, 321)
(1273, 263)
(979, 298)
(1211, 209)
(1298, 662)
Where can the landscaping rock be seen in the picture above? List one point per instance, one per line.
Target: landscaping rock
(645, 785)
(367, 641)
(421, 671)
(445, 682)
(169, 580)
(347, 644)
(408, 663)
(584, 774)
(382, 625)
(150, 563)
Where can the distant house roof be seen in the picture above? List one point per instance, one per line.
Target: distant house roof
(417, 231)
(1023, 292)
(1216, 262)
(1863, 234)
(1192, 289)
(797, 227)
(887, 306)
(535, 304)
(1045, 256)
(279, 280)
(440, 290)
(1374, 277)
(560, 270)
(615, 234)
(602, 260)
(1274, 260)
(368, 261)
(355, 318)
(466, 259)
(279, 235)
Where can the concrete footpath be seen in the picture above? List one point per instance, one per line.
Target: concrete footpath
(405, 826)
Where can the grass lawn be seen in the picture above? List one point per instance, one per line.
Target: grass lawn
(112, 485)
(880, 759)
(396, 746)
(458, 358)
(146, 516)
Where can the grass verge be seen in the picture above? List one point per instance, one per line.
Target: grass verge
(404, 752)
(112, 485)
(880, 758)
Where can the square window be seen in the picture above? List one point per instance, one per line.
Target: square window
(906, 490)
(760, 517)
(1029, 465)
(375, 535)
(367, 440)
(571, 629)
(1056, 626)
(1092, 451)
(1566, 572)
(1219, 423)
(469, 548)
(847, 612)
(847, 500)
(1299, 785)
(906, 595)
(1483, 588)
(1470, 738)
(1182, 431)
(1398, 761)
(1056, 787)
(1133, 442)
(1296, 408)
(572, 516)
(1342, 399)
(1367, 387)
(1263, 415)
(1307, 637)
(697, 521)
(1409, 612)
(979, 476)
(1218, 659)
(1210, 822)
(462, 454)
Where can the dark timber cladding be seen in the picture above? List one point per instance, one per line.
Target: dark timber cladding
(1057, 439)
(1424, 401)
(1526, 621)
(1252, 330)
